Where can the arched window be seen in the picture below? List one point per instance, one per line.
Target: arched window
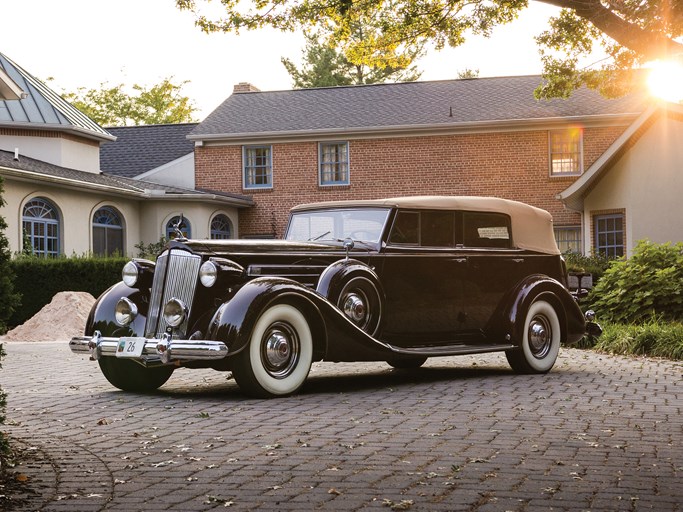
(107, 232)
(40, 223)
(221, 227)
(184, 227)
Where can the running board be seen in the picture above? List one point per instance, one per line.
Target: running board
(450, 350)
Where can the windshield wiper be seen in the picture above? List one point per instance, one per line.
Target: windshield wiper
(319, 237)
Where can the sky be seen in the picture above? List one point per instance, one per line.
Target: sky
(84, 43)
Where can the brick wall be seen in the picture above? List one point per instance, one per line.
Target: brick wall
(512, 165)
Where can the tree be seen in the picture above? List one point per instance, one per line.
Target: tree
(9, 300)
(327, 66)
(112, 106)
(631, 32)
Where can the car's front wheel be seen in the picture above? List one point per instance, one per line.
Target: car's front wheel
(130, 376)
(540, 344)
(279, 355)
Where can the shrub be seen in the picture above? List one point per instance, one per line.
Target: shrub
(595, 265)
(39, 279)
(652, 338)
(647, 285)
(9, 299)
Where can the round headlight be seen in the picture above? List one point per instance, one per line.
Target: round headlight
(125, 311)
(208, 273)
(130, 274)
(175, 312)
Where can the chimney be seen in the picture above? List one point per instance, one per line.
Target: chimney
(244, 87)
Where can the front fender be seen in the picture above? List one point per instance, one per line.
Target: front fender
(334, 277)
(235, 319)
(101, 317)
(509, 323)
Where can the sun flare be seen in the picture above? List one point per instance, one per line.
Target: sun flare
(665, 80)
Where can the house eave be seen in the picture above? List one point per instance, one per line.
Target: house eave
(73, 130)
(141, 193)
(470, 127)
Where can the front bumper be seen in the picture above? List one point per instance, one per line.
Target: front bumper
(156, 351)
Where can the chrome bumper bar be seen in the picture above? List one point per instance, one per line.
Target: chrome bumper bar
(156, 351)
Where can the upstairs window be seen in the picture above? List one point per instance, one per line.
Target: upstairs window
(107, 232)
(566, 152)
(40, 223)
(334, 163)
(258, 166)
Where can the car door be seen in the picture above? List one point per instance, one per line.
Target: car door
(423, 274)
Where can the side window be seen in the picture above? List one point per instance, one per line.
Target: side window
(107, 232)
(40, 223)
(566, 152)
(406, 229)
(483, 229)
(257, 163)
(437, 229)
(609, 235)
(221, 227)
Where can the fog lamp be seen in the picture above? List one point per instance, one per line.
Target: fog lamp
(125, 312)
(175, 312)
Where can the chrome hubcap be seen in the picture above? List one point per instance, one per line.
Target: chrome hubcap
(540, 336)
(354, 307)
(280, 350)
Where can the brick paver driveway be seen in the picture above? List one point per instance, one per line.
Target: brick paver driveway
(597, 433)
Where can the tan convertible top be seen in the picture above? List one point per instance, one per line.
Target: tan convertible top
(532, 228)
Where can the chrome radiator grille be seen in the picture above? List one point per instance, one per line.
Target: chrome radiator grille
(175, 275)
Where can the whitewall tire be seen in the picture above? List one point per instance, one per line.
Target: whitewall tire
(540, 344)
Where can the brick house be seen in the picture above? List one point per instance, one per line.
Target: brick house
(485, 136)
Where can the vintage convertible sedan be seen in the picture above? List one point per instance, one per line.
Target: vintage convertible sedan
(397, 280)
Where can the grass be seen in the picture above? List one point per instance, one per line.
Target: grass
(652, 338)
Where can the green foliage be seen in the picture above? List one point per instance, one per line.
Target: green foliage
(326, 65)
(647, 285)
(4, 444)
(9, 299)
(629, 32)
(595, 265)
(112, 106)
(39, 279)
(651, 338)
(151, 251)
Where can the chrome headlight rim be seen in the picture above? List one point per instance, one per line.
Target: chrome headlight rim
(175, 312)
(125, 312)
(208, 274)
(130, 275)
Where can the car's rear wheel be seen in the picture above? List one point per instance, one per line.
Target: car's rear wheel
(407, 363)
(279, 355)
(540, 344)
(130, 376)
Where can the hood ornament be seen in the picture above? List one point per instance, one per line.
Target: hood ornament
(179, 235)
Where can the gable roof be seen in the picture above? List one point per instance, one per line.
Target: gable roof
(438, 105)
(139, 149)
(42, 108)
(37, 170)
(573, 195)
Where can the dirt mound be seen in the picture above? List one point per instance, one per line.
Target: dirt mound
(60, 320)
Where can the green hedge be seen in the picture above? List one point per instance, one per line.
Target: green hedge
(39, 279)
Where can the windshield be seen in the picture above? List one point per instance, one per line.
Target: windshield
(364, 225)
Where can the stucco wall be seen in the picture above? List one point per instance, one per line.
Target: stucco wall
(54, 148)
(144, 220)
(647, 183)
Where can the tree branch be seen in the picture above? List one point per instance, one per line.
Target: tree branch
(649, 44)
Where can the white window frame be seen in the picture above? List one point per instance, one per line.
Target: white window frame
(568, 158)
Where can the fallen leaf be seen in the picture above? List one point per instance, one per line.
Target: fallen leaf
(334, 491)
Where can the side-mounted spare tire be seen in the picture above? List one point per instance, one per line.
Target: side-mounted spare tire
(355, 289)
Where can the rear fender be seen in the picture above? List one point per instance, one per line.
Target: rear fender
(509, 323)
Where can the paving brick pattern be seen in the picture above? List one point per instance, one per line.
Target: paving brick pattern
(598, 433)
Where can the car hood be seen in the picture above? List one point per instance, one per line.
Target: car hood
(232, 247)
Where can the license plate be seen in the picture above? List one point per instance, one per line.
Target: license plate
(130, 347)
